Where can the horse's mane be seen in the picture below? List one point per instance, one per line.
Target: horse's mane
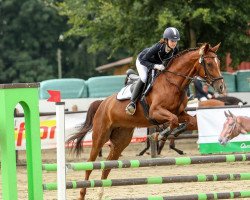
(186, 51)
(180, 54)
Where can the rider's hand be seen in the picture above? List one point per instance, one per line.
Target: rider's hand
(209, 96)
(159, 67)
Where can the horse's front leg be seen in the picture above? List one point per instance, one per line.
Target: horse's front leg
(162, 115)
(190, 121)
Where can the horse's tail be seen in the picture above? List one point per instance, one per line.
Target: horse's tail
(85, 128)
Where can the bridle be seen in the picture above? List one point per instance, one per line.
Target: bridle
(209, 78)
(235, 126)
(232, 125)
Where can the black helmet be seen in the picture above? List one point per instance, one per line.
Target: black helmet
(171, 33)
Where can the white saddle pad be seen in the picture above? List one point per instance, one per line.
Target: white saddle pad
(124, 93)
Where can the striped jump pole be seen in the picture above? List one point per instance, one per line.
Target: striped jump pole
(151, 162)
(151, 180)
(200, 196)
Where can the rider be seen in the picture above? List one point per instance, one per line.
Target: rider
(153, 58)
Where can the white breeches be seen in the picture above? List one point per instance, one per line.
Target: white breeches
(142, 71)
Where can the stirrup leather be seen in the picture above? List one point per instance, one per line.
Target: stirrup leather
(131, 108)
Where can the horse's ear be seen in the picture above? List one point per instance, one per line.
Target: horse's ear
(215, 48)
(226, 114)
(231, 114)
(204, 49)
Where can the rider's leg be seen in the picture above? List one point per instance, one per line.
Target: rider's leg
(142, 71)
(131, 107)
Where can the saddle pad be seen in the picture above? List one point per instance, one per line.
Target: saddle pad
(125, 93)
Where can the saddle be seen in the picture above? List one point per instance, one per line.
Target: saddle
(132, 78)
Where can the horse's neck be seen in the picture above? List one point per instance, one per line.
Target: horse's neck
(183, 65)
(245, 122)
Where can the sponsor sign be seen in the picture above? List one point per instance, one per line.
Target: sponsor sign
(210, 125)
(73, 123)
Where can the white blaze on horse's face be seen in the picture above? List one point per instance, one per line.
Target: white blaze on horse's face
(227, 131)
(216, 61)
(231, 129)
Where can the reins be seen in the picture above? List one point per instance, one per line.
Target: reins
(208, 75)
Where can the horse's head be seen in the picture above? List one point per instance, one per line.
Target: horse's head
(208, 67)
(231, 128)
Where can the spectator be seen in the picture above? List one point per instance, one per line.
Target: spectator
(210, 95)
(201, 92)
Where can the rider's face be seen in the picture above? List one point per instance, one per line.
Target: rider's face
(172, 44)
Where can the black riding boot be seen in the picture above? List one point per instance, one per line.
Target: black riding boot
(131, 107)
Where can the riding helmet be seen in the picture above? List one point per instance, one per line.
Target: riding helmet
(171, 33)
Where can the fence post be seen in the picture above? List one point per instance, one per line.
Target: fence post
(60, 140)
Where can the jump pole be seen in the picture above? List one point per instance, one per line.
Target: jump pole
(60, 143)
(151, 162)
(150, 180)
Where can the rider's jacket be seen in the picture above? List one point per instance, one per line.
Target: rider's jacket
(156, 55)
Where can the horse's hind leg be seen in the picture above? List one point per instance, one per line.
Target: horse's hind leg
(100, 136)
(161, 144)
(146, 148)
(120, 139)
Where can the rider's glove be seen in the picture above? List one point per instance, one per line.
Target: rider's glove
(159, 67)
(209, 96)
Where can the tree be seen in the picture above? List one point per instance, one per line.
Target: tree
(28, 41)
(30, 31)
(135, 24)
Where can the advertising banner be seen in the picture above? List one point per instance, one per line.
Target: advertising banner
(210, 125)
(73, 123)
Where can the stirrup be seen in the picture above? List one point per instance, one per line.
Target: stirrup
(131, 108)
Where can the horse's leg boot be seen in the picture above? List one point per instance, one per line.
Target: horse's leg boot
(131, 107)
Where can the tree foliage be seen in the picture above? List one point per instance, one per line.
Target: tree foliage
(107, 30)
(135, 24)
(29, 40)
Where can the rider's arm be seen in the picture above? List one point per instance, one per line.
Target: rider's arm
(149, 53)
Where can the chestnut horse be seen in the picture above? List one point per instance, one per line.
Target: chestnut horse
(167, 102)
(233, 126)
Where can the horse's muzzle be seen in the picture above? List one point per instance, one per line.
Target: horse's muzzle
(223, 140)
(219, 86)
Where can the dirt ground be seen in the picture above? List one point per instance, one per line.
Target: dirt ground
(190, 148)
